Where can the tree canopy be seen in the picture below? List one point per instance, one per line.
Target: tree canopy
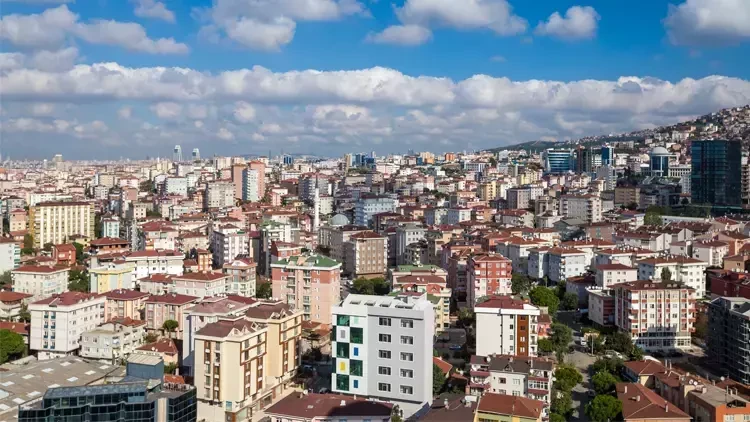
(604, 382)
(28, 245)
(520, 284)
(12, 346)
(666, 275)
(438, 379)
(78, 281)
(371, 286)
(567, 377)
(170, 325)
(569, 301)
(542, 296)
(603, 408)
(264, 291)
(561, 336)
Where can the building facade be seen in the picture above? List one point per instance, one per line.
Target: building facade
(308, 282)
(55, 222)
(510, 326)
(716, 176)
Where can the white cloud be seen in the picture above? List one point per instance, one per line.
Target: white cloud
(269, 24)
(41, 1)
(42, 109)
(496, 15)
(55, 61)
(153, 9)
(51, 28)
(224, 134)
(11, 61)
(197, 111)
(167, 110)
(577, 24)
(402, 35)
(244, 112)
(708, 22)
(498, 59)
(125, 113)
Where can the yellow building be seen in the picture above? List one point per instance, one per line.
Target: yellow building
(111, 276)
(487, 191)
(56, 222)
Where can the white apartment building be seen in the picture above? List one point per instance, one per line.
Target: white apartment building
(565, 263)
(111, 227)
(227, 242)
(58, 321)
(689, 271)
(382, 348)
(40, 281)
(55, 222)
(156, 262)
(658, 316)
(457, 215)
(585, 207)
(113, 340)
(366, 207)
(10, 255)
(608, 275)
(520, 376)
(176, 186)
(508, 327)
(203, 284)
(219, 195)
(711, 252)
(406, 234)
(250, 185)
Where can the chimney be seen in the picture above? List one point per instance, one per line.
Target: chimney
(666, 408)
(638, 397)
(626, 390)
(343, 403)
(445, 404)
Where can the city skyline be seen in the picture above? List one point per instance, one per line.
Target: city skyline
(233, 78)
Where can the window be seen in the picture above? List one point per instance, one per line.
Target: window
(386, 322)
(407, 340)
(356, 367)
(516, 382)
(384, 370)
(502, 380)
(342, 320)
(356, 335)
(356, 383)
(407, 323)
(342, 382)
(407, 389)
(384, 387)
(408, 357)
(384, 338)
(356, 351)
(384, 354)
(407, 373)
(342, 350)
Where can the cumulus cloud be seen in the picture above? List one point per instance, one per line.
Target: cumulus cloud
(268, 24)
(224, 134)
(153, 9)
(41, 1)
(125, 113)
(402, 35)
(167, 110)
(708, 22)
(51, 28)
(244, 112)
(495, 15)
(577, 24)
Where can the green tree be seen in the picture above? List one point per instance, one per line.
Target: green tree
(603, 408)
(48, 247)
(666, 275)
(12, 346)
(620, 342)
(396, 414)
(6, 278)
(493, 162)
(264, 291)
(370, 286)
(438, 379)
(561, 336)
(80, 256)
(603, 382)
(170, 326)
(467, 317)
(701, 325)
(170, 368)
(545, 345)
(562, 404)
(561, 289)
(78, 281)
(569, 301)
(653, 216)
(23, 314)
(28, 245)
(150, 338)
(612, 365)
(542, 296)
(636, 353)
(554, 417)
(566, 377)
(520, 284)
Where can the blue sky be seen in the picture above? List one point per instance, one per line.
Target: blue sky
(322, 84)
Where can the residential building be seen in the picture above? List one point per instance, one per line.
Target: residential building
(242, 276)
(688, 271)
(58, 321)
(165, 348)
(585, 207)
(565, 263)
(167, 307)
(205, 284)
(10, 255)
(658, 316)
(367, 206)
(382, 349)
(500, 407)
(711, 252)
(319, 407)
(518, 198)
(11, 304)
(558, 161)
(156, 262)
(229, 242)
(260, 168)
(610, 274)
(40, 281)
(487, 275)
(110, 227)
(626, 195)
(114, 340)
(250, 184)
(640, 404)
(125, 303)
(366, 255)
(64, 255)
(56, 222)
(437, 293)
(716, 176)
(522, 376)
(114, 275)
(601, 307)
(510, 326)
(219, 195)
(309, 282)
(728, 325)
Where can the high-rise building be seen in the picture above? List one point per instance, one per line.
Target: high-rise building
(608, 155)
(260, 167)
(177, 155)
(558, 161)
(250, 185)
(716, 176)
(728, 342)
(196, 154)
(382, 349)
(55, 222)
(238, 179)
(347, 162)
(219, 195)
(659, 165)
(368, 206)
(228, 242)
(308, 282)
(487, 275)
(510, 325)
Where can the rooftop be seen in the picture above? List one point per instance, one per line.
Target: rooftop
(314, 406)
(501, 404)
(639, 402)
(67, 299)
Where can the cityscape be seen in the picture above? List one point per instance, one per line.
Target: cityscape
(374, 211)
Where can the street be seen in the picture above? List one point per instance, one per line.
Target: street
(582, 361)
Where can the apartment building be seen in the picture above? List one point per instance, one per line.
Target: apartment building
(382, 349)
(10, 255)
(204, 284)
(641, 404)
(319, 407)
(40, 281)
(58, 321)
(711, 252)
(125, 303)
(565, 263)
(610, 274)
(219, 195)
(689, 271)
(486, 275)
(250, 183)
(309, 282)
(601, 306)
(156, 262)
(56, 222)
(500, 407)
(658, 316)
(366, 255)
(508, 327)
(11, 304)
(114, 275)
(242, 276)
(230, 377)
(114, 340)
(166, 307)
(367, 206)
(228, 242)
(728, 340)
(585, 207)
(519, 376)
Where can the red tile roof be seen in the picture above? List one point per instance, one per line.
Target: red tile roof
(172, 299)
(46, 269)
(17, 327)
(67, 299)
(613, 267)
(201, 276)
(13, 296)
(125, 294)
(129, 322)
(328, 406)
(501, 302)
(443, 365)
(164, 345)
(502, 404)
(639, 402)
(108, 241)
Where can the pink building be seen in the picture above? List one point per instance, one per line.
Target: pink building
(309, 282)
(167, 307)
(125, 303)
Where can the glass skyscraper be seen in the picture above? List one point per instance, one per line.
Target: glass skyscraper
(558, 161)
(716, 173)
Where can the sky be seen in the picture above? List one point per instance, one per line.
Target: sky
(104, 79)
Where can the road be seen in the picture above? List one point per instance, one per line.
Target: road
(582, 361)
